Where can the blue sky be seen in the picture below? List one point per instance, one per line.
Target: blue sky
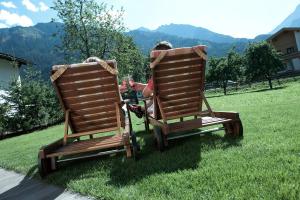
(239, 18)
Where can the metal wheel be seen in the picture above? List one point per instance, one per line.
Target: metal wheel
(159, 142)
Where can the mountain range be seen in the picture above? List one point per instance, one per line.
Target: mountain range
(38, 45)
(293, 20)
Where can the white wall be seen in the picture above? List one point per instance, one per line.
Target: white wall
(8, 72)
(296, 63)
(297, 36)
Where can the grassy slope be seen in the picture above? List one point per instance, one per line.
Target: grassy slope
(264, 165)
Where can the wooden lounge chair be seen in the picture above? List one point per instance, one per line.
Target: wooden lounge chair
(178, 78)
(90, 98)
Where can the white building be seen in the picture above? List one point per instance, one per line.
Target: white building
(9, 70)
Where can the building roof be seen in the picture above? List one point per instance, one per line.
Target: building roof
(21, 61)
(281, 31)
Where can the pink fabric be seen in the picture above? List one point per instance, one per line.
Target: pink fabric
(150, 84)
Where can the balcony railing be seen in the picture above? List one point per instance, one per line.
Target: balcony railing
(291, 55)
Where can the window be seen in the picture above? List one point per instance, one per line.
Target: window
(290, 50)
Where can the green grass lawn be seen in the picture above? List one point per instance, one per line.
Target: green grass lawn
(264, 165)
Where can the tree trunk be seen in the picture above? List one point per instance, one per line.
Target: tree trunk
(278, 80)
(270, 83)
(225, 87)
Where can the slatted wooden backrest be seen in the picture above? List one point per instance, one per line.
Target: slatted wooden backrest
(90, 92)
(178, 76)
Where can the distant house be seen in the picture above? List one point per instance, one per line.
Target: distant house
(9, 69)
(287, 41)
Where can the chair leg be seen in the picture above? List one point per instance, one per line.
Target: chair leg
(128, 151)
(146, 121)
(229, 132)
(53, 163)
(233, 129)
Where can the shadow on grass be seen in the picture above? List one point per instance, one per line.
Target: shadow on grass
(182, 154)
(244, 92)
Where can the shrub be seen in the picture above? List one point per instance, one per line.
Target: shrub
(31, 103)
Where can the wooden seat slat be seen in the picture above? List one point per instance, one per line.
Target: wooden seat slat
(183, 114)
(93, 142)
(90, 128)
(93, 97)
(88, 145)
(94, 116)
(67, 73)
(167, 86)
(84, 84)
(175, 96)
(169, 58)
(84, 77)
(94, 111)
(178, 78)
(91, 90)
(84, 69)
(181, 106)
(184, 88)
(81, 122)
(106, 106)
(196, 123)
(176, 71)
(91, 132)
(178, 64)
(179, 112)
(185, 100)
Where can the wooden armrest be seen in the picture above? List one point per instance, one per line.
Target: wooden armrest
(227, 115)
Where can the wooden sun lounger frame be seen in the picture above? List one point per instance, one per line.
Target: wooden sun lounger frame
(164, 130)
(123, 141)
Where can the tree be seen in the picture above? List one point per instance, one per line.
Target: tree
(263, 62)
(223, 69)
(90, 29)
(29, 104)
(94, 29)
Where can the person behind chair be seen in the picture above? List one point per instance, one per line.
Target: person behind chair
(147, 89)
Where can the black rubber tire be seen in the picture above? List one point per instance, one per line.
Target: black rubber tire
(159, 142)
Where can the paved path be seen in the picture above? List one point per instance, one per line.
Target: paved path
(15, 186)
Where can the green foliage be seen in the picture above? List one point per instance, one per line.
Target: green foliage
(3, 119)
(129, 58)
(94, 29)
(90, 28)
(223, 69)
(263, 62)
(31, 104)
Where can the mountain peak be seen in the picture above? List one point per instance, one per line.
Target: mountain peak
(293, 20)
(143, 29)
(193, 32)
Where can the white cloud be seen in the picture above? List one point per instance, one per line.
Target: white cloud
(8, 4)
(3, 25)
(11, 19)
(30, 6)
(43, 6)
